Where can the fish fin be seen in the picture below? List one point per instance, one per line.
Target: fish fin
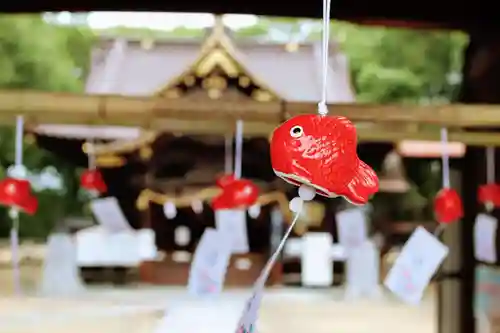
(363, 185)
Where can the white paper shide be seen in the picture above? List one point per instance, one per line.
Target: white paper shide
(233, 223)
(209, 265)
(485, 232)
(418, 261)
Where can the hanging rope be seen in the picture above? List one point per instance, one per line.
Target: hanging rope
(19, 140)
(490, 165)
(238, 156)
(445, 158)
(322, 105)
(14, 231)
(228, 155)
(91, 155)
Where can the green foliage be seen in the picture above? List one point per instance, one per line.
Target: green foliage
(41, 56)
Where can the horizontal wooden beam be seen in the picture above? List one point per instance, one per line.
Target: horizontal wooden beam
(217, 117)
(450, 115)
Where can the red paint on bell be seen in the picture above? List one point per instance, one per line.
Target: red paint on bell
(320, 151)
(92, 180)
(489, 193)
(225, 180)
(238, 194)
(30, 205)
(14, 191)
(17, 193)
(448, 206)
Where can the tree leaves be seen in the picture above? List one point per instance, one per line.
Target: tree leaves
(38, 55)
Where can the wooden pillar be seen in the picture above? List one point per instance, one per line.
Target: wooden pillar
(480, 84)
(452, 287)
(146, 268)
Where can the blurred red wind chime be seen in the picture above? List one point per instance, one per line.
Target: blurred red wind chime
(91, 179)
(448, 206)
(489, 193)
(15, 192)
(237, 192)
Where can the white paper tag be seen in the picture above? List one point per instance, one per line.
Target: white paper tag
(485, 232)
(108, 213)
(316, 259)
(209, 265)
(363, 271)
(351, 226)
(418, 261)
(233, 222)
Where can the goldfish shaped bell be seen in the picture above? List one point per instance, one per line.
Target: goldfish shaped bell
(489, 195)
(92, 180)
(236, 194)
(448, 206)
(320, 151)
(17, 193)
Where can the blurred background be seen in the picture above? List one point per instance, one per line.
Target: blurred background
(59, 52)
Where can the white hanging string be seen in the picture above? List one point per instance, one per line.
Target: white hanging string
(228, 155)
(14, 231)
(445, 158)
(490, 165)
(19, 140)
(322, 105)
(270, 263)
(238, 156)
(90, 154)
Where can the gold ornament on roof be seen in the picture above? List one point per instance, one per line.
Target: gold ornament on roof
(218, 52)
(145, 153)
(189, 80)
(172, 93)
(244, 81)
(261, 95)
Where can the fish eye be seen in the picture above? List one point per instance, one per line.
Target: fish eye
(296, 132)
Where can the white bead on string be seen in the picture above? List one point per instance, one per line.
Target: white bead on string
(306, 193)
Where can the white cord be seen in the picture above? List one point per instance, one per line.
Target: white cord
(19, 139)
(91, 155)
(490, 165)
(14, 231)
(228, 155)
(238, 156)
(270, 263)
(445, 159)
(322, 108)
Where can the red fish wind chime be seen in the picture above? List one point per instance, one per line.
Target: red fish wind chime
(237, 193)
(318, 154)
(448, 206)
(489, 193)
(91, 179)
(318, 151)
(16, 192)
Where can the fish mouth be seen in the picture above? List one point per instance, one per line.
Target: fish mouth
(297, 181)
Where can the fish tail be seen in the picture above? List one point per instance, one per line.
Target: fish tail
(363, 185)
